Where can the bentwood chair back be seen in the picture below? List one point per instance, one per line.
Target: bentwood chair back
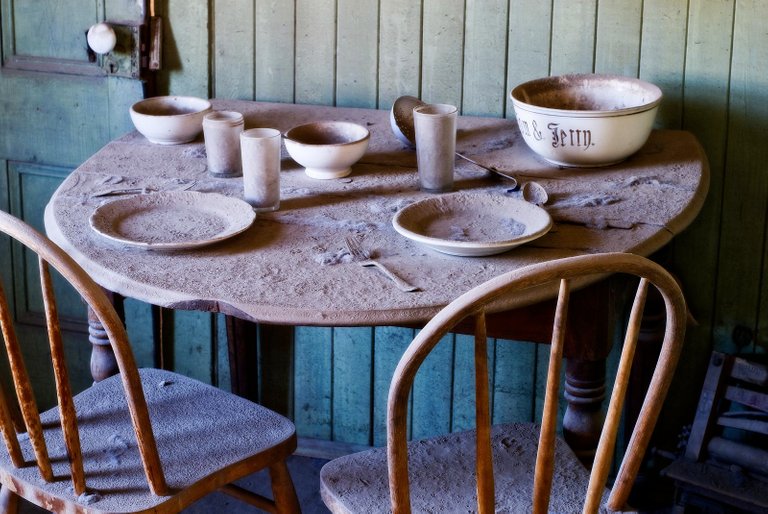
(142, 441)
(516, 467)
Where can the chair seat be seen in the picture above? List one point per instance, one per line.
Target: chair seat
(443, 478)
(727, 486)
(202, 435)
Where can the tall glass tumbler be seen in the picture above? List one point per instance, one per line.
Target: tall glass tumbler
(435, 128)
(221, 130)
(260, 149)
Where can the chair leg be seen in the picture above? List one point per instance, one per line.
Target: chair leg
(283, 491)
(9, 501)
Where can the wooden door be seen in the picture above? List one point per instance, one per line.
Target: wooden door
(60, 104)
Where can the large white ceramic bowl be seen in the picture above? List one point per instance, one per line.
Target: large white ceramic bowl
(327, 149)
(170, 120)
(585, 120)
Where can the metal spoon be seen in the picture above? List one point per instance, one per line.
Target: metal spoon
(401, 120)
(492, 169)
(535, 193)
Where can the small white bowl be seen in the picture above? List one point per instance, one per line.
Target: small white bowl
(586, 120)
(327, 149)
(170, 120)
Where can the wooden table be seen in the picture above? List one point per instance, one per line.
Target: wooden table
(290, 267)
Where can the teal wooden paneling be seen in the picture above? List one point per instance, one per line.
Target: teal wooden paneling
(352, 380)
(662, 56)
(432, 392)
(514, 381)
(463, 393)
(442, 67)
(32, 185)
(745, 182)
(705, 113)
(530, 43)
(484, 87)
(356, 56)
(275, 50)
(64, 25)
(573, 36)
(222, 373)
(122, 93)
(617, 46)
(313, 382)
(64, 132)
(138, 322)
(689, 56)
(6, 272)
(399, 50)
(315, 65)
(390, 343)
(234, 44)
(193, 340)
(186, 49)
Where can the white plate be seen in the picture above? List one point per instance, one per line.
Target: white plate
(172, 220)
(472, 224)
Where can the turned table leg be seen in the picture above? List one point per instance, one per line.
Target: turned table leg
(584, 415)
(590, 321)
(103, 362)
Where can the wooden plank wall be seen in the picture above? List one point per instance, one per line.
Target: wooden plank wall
(709, 56)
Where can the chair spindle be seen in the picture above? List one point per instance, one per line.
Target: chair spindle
(485, 483)
(605, 447)
(24, 394)
(6, 419)
(61, 376)
(545, 456)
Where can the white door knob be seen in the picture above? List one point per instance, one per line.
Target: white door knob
(101, 38)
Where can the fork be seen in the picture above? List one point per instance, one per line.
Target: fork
(363, 257)
(183, 186)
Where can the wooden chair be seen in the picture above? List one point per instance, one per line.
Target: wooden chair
(725, 465)
(517, 467)
(142, 441)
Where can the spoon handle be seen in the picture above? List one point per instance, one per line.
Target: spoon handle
(492, 169)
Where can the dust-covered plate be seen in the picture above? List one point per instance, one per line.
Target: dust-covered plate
(172, 220)
(472, 224)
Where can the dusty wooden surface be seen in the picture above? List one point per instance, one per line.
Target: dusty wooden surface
(291, 266)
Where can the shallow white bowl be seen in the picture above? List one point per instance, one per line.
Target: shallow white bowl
(327, 149)
(170, 120)
(585, 120)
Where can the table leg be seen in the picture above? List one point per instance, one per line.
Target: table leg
(583, 419)
(261, 354)
(590, 322)
(242, 338)
(103, 362)
(9, 501)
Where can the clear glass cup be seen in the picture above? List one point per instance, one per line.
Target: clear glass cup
(260, 151)
(435, 129)
(221, 130)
